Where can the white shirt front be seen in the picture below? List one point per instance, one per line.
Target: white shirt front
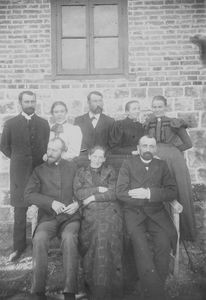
(72, 136)
(95, 120)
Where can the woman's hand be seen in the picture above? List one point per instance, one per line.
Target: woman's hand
(102, 189)
(88, 200)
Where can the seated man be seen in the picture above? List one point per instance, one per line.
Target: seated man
(143, 185)
(50, 189)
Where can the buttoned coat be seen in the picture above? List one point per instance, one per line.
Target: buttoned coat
(48, 183)
(100, 135)
(158, 179)
(25, 145)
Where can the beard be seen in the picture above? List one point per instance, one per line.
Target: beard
(98, 110)
(147, 155)
(29, 110)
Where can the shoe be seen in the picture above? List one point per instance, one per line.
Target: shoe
(15, 255)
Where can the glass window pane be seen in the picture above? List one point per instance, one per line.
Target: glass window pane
(106, 20)
(106, 53)
(74, 54)
(73, 21)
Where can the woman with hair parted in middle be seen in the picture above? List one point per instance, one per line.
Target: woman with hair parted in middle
(101, 234)
(173, 139)
(70, 134)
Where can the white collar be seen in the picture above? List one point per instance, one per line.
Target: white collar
(27, 117)
(91, 114)
(145, 161)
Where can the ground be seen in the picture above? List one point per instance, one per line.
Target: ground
(15, 278)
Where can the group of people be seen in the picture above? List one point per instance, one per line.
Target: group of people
(81, 198)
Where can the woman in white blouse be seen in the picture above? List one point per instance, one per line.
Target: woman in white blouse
(70, 134)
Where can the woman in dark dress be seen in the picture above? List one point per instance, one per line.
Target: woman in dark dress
(126, 133)
(101, 228)
(172, 139)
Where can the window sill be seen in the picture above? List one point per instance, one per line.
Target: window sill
(90, 77)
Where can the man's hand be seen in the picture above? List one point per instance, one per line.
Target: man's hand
(102, 189)
(139, 193)
(58, 207)
(88, 200)
(71, 208)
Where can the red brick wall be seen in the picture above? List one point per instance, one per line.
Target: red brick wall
(162, 60)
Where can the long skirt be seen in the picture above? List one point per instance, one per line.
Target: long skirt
(101, 243)
(177, 165)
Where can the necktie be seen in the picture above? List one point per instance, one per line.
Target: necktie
(93, 120)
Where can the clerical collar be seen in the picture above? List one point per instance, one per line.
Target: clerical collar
(145, 161)
(27, 117)
(91, 115)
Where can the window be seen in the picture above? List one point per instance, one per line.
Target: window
(89, 37)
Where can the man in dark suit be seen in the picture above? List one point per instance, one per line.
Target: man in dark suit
(143, 185)
(24, 140)
(50, 188)
(95, 125)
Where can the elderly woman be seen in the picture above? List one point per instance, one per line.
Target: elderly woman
(70, 134)
(172, 139)
(101, 229)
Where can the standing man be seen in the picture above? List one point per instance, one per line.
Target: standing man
(50, 188)
(24, 140)
(95, 125)
(143, 185)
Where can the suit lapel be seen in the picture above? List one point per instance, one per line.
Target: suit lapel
(88, 121)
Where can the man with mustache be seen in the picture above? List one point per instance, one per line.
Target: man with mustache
(50, 188)
(24, 140)
(95, 125)
(144, 185)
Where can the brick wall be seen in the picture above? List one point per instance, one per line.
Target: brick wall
(162, 60)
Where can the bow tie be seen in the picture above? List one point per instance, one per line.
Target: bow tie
(146, 164)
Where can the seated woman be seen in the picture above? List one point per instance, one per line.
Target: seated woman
(126, 133)
(101, 229)
(70, 134)
(172, 139)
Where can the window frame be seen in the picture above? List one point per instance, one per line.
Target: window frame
(56, 37)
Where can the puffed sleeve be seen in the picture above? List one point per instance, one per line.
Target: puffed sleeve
(179, 127)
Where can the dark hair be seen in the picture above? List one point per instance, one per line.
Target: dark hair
(64, 147)
(58, 103)
(160, 98)
(147, 136)
(95, 93)
(97, 147)
(128, 104)
(30, 93)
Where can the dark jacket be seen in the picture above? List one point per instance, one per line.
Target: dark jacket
(48, 183)
(158, 179)
(125, 136)
(100, 135)
(25, 144)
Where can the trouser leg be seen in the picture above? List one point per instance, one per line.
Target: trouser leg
(19, 230)
(161, 249)
(69, 247)
(43, 234)
(151, 283)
